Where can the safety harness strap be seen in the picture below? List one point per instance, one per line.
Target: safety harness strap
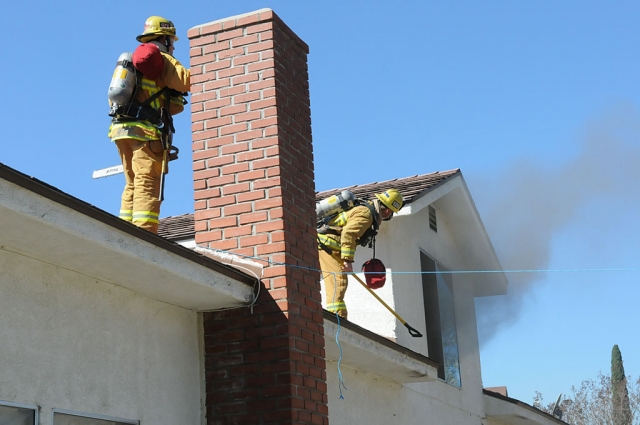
(367, 238)
(324, 247)
(135, 111)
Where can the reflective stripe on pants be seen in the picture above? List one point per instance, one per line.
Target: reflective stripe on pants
(335, 282)
(140, 198)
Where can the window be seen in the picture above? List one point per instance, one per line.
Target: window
(17, 414)
(442, 338)
(62, 417)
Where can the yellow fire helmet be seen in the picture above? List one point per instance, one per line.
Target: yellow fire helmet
(157, 26)
(391, 199)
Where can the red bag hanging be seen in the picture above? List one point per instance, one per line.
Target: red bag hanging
(148, 60)
(375, 273)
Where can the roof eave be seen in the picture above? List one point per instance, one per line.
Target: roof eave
(48, 225)
(454, 196)
(512, 411)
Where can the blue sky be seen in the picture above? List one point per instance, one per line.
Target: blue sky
(536, 103)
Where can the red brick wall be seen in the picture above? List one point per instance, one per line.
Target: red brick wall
(255, 195)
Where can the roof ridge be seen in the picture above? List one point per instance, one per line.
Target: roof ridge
(450, 171)
(411, 188)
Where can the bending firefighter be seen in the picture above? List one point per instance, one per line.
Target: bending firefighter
(147, 88)
(340, 233)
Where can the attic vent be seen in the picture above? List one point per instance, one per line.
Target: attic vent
(433, 223)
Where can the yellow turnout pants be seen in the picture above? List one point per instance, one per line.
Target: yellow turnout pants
(335, 282)
(141, 196)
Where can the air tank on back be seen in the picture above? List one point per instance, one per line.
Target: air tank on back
(123, 82)
(341, 202)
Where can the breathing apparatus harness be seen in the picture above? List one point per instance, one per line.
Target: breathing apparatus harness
(147, 62)
(368, 238)
(132, 110)
(136, 111)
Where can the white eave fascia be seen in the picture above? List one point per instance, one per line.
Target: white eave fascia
(100, 246)
(364, 351)
(514, 412)
(490, 283)
(433, 194)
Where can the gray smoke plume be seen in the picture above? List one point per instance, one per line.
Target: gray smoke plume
(524, 206)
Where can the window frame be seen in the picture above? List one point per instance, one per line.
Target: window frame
(435, 337)
(92, 416)
(36, 409)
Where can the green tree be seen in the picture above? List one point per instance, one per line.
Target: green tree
(619, 393)
(591, 403)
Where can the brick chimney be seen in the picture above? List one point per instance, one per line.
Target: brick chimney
(255, 195)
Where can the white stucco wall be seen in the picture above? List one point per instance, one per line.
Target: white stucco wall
(370, 400)
(399, 244)
(70, 342)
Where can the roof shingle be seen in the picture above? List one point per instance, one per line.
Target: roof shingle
(182, 226)
(410, 187)
(177, 227)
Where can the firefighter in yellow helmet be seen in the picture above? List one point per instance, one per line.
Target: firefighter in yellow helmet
(137, 131)
(337, 243)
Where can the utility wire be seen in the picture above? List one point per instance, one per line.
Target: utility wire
(567, 270)
(341, 383)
